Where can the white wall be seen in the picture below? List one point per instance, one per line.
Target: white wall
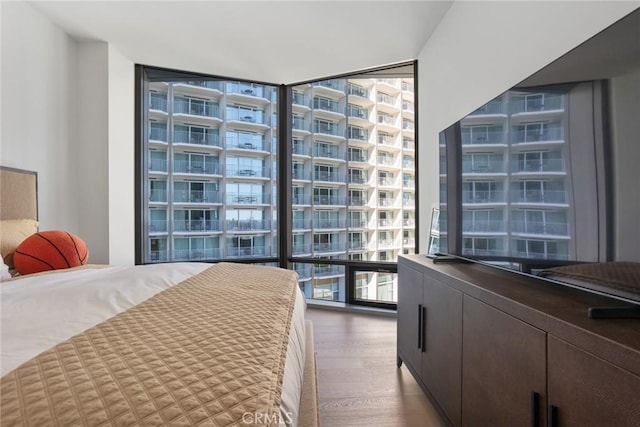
(481, 49)
(68, 113)
(38, 105)
(625, 103)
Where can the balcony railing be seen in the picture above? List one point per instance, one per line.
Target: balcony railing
(247, 224)
(199, 225)
(492, 107)
(300, 99)
(330, 153)
(523, 135)
(408, 202)
(357, 244)
(357, 201)
(196, 254)
(409, 164)
(160, 255)
(386, 140)
(329, 247)
(158, 195)
(357, 133)
(386, 160)
(385, 202)
(156, 134)
(327, 270)
(483, 226)
(407, 125)
(185, 166)
(484, 252)
(408, 241)
(245, 142)
(247, 199)
(408, 144)
(301, 248)
(357, 112)
(540, 255)
(361, 157)
(205, 84)
(386, 243)
(248, 251)
(489, 137)
(328, 200)
(357, 91)
(537, 196)
(385, 99)
(300, 199)
(196, 196)
(203, 108)
(245, 116)
(546, 103)
(482, 196)
(491, 166)
(246, 172)
(158, 226)
(301, 224)
(385, 222)
(358, 179)
(198, 138)
(301, 174)
(335, 84)
(328, 223)
(357, 223)
(386, 181)
(328, 129)
(299, 123)
(158, 165)
(300, 148)
(326, 104)
(328, 176)
(158, 103)
(245, 89)
(548, 165)
(539, 227)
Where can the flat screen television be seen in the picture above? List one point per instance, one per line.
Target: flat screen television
(547, 174)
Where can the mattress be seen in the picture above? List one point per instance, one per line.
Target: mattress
(40, 312)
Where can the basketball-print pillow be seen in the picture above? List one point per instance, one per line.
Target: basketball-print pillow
(50, 250)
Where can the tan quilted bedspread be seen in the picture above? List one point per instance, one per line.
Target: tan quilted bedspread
(205, 352)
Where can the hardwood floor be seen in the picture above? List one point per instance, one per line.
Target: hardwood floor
(358, 381)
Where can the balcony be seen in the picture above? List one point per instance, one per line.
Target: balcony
(357, 223)
(328, 223)
(357, 133)
(300, 249)
(198, 226)
(157, 165)
(383, 222)
(538, 196)
(526, 136)
(207, 84)
(408, 241)
(245, 116)
(533, 166)
(408, 144)
(300, 99)
(300, 148)
(386, 99)
(540, 227)
(210, 139)
(540, 255)
(301, 175)
(156, 134)
(159, 256)
(483, 226)
(483, 196)
(328, 176)
(239, 171)
(329, 153)
(356, 90)
(409, 203)
(386, 160)
(300, 199)
(328, 247)
(357, 245)
(299, 123)
(248, 225)
(491, 166)
(409, 164)
(484, 252)
(387, 140)
(203, 109)
(385, 244)
(326, 105)
(158, 103)
(196, 196)
(196, 254)
(159, 196)
(385, 202)
(492, 107)
(386, 182)
(245, 89)
(254, 251)
(186, 167)
(327, 129)
(358, 179)
(360, 157)
(327, 270)
(407, 125)
(357, 112)
(483, 138)
(247, 199)
(158, 226)
(328, 200)
(538, 104)
(357, 201)
(335, 84)
(301, 224)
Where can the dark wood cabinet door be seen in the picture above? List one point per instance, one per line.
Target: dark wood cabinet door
(588, 391)
(442, 356)
(409, 315)
(503, 362)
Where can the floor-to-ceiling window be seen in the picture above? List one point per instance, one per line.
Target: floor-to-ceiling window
(210, 187)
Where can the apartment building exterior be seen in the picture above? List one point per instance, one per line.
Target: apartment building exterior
(212, 194)
(516, 177)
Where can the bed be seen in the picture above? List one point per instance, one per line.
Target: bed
(166, 344)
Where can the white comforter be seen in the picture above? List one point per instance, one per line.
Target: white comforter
(41, 311)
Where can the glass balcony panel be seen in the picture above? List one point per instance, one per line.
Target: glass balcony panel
(247, 224)
(186, 166)
(248, 198)
(538, 196)
(209, 138)
(196, 225)
(196, 196)
(158, 196)
(196, 255)
(158, 226)
(240, 171)
(254, 251)
(482, 196)
(200, 108)
(157, 165)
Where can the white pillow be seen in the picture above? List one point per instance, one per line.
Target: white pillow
(4, 270)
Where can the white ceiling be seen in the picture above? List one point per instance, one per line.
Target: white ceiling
(270, 41)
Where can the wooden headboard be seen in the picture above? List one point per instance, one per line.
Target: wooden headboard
(18, 194)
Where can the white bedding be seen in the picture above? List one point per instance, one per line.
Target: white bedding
(39, 312)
